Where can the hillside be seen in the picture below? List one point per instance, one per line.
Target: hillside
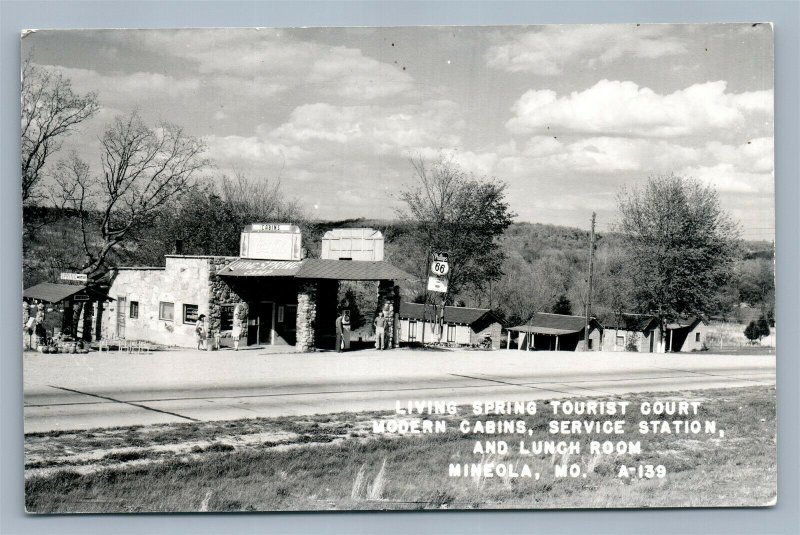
(544, 263)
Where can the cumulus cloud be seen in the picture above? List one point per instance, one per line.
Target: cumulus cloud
(316, 136)
(282, 61)
(727, 178)
(624, 108)
(546, 50)
(385, 128)
(145, 84)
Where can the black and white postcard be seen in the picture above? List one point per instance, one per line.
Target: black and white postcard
(400, 268)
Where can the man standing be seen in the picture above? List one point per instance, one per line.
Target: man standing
(339, 332)
(380, 331)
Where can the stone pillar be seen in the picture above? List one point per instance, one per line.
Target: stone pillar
(306, 316)
(389, 304)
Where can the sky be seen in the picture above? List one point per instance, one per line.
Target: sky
(565, 115)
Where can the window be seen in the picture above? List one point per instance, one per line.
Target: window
(190, 313)
(134, 311)
(696, 337)
(620, 341)
(226, 317)
(166, 311)
(451, 333)
(280, 314)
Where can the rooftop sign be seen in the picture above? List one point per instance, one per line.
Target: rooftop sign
(271, 241)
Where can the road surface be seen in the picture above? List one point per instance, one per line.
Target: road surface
(68, 392)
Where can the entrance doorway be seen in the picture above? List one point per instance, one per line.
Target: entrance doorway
(121, 310)
(260, 323)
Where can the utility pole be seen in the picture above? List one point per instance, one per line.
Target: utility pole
(589, 292)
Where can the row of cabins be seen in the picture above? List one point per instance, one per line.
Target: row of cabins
(554, 332)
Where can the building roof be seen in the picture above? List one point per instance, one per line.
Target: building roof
(245, 267)
(683, 323)
(544, 323)
(356, 270)
(51, 292)
(314, 268)
(628, 322)
(461, 315)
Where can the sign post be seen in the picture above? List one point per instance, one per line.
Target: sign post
(439, 269)
(438, 278)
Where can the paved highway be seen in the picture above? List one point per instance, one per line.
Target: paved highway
(103, 390)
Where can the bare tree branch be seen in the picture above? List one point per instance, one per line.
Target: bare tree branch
(50, 110)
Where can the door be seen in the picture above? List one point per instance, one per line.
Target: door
(652, 338)
(122, 309)
(259, 323)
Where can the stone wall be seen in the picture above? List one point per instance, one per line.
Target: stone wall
(494, 330)
(184, 280)
(306, 316)
(220, 293)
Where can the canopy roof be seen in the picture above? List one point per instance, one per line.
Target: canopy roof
(356, 270)
(51, 292)
(544, 323)
(315, 268)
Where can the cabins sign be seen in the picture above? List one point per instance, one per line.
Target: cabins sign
(77, 277)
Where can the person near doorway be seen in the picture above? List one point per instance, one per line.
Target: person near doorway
(200, 331)
(380, 331)
(339, 332)
(236, 329)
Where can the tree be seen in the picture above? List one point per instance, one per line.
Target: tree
(680, 246)
(451, 210)
(143, 170)
(563, 306)
(763, 327)
(209, 218)
(50, 110)
(751, 331)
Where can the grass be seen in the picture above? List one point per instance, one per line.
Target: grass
(334, 462)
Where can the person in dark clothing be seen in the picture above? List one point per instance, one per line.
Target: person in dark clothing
(339, 332)
(380, 331)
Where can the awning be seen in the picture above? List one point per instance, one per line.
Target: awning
(244, 267)
(51, 292)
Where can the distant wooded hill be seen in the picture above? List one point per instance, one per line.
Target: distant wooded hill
(545, 268)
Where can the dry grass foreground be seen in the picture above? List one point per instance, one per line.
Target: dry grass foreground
(335, 462)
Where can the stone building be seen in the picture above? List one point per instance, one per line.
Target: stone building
(290, 300)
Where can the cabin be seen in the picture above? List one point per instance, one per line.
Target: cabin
(463, 326)
(556, 332)
(631, 332)
(686, 335)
